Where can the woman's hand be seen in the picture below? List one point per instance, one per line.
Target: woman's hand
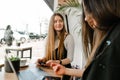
(40, 61)
(58, 68)
(49, 62)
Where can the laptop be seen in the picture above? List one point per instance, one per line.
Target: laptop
(31, 74)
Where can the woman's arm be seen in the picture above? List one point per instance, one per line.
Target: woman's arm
(61, 70)
(74, 72)
(69, 46)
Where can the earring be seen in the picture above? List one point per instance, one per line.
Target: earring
(94, 26)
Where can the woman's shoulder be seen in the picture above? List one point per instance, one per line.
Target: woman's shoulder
(69, 40)
(69, 37)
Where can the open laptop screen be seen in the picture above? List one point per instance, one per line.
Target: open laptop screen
(14, 76)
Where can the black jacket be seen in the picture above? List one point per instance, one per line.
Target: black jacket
(106, 63)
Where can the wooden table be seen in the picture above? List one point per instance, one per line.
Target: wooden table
(7, 76)
(12, 76)
(20, 49)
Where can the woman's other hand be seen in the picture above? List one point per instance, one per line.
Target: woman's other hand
(40, 61)
(58, 68)
(49, 62)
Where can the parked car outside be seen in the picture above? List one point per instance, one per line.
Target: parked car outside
(43, 36)
(23, 37)
(34, 36)
(20, 37)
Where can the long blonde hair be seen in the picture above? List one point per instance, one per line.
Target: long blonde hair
(50, 46)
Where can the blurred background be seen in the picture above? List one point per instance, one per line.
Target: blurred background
(25, 16)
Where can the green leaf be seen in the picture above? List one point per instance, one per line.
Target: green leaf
(14, 58)
(69, 3)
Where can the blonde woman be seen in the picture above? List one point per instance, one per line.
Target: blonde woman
(60, 44)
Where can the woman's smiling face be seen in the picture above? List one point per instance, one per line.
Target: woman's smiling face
(58, 23)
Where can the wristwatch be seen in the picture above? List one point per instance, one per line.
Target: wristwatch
(60, 62)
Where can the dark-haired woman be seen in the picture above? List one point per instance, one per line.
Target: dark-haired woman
(101, 41)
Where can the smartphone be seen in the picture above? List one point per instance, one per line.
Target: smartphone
(51, 78)
(42, 63)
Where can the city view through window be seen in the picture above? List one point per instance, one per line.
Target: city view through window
(29, 20)
(25, 15)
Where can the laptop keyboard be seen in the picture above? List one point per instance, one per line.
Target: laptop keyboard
(32, 74)
(26, 75)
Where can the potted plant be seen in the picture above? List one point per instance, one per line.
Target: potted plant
(15, 62)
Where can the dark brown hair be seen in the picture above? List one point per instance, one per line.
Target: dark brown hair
(105, 12)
